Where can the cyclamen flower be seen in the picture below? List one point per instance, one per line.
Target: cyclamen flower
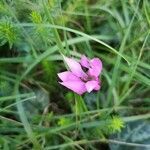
(82, 76)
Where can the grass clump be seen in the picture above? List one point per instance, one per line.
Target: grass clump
(35, 111)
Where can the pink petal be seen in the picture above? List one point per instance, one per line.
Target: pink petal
(91, 85)
(97, 87)
(75, 67)
(76, 86)
(96, 67)
(84, 61)
(68, 76)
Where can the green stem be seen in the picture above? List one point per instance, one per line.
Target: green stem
(24, 119)
(118, 61)
(55, 32)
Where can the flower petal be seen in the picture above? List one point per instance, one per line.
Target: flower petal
(68, 76)
(97, 87)
(84, 61)
(75, 67)
(76, 86)
(91, 85)
(96, 67)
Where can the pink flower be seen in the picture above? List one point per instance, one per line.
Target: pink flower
(82, 76)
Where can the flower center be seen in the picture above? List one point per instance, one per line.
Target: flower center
(88, 78)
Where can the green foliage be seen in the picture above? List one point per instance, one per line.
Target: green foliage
(116, 124)
(8, 32)
(36, 112)
(4, 88)
(64, 122)
(135, 132)
(36, 17)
